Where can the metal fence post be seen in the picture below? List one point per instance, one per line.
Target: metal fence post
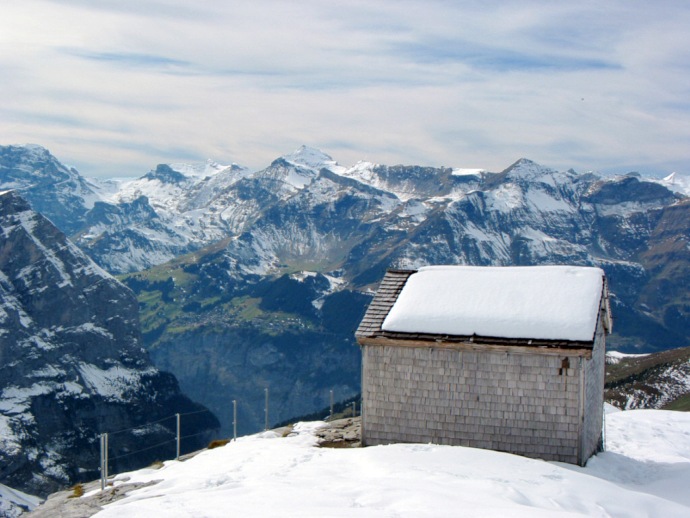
(102, 459)
(107, 472)
(234, 419)
(266, 409)
(330, 417)
(105, 460)
(177, 456)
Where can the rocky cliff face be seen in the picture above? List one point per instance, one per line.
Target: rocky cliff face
(71, 362)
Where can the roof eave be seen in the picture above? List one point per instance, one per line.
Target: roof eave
(480, 343)
(476, 339)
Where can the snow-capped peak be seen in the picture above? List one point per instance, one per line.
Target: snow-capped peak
(310, 157)
(527, 168)
(677, 183)
(33, 147)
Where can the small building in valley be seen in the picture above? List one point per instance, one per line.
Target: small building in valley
(503, 358)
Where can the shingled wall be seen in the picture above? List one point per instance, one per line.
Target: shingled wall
(527, 404)
(595, 372)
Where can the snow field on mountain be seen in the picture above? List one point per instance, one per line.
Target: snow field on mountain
(644, 472)
(112, 383)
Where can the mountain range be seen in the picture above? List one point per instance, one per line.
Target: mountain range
(254, 279)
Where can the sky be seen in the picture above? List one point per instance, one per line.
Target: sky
(114, 87)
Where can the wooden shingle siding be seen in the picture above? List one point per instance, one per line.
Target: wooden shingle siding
(538, 398)
(514, 403)
(593, 408)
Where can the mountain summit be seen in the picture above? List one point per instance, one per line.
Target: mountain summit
(309, 157)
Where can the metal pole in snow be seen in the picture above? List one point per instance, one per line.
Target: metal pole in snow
(234, 419)
(177, 456)
(101, 459)
(354, 409)
(105, 455)
(330, 417)
(266, 409)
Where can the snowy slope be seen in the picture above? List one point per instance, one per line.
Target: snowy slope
(184, 198)
(644, 472)
(13, 503)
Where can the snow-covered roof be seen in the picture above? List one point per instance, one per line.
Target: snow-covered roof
(536, 302)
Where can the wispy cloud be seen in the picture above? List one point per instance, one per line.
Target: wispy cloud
(129, 59)
(153, 9)
(499, 59)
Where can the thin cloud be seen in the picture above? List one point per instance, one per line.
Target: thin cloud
(128, 59)
(440, 51)
(155, 9)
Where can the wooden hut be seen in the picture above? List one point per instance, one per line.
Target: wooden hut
(503, 358)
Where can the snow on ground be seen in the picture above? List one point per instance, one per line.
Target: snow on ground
(644, 473)
(505, 198)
